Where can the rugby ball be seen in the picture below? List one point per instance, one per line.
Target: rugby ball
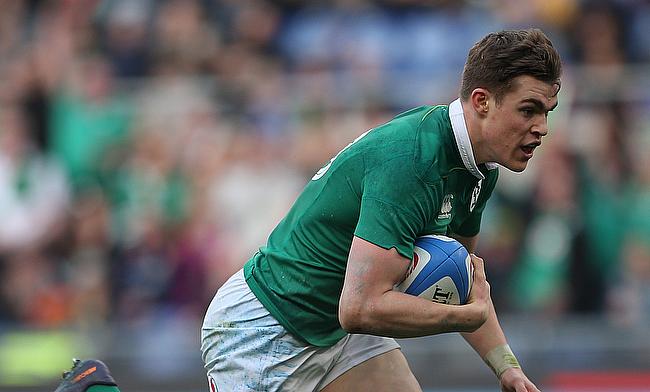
(441, 271)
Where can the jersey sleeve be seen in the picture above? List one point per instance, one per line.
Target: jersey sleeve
(395, 206)
(472, 225)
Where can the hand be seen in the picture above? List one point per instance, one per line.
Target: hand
(514, 380)
(479, 296)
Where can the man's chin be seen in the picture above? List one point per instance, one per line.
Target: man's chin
(516, 167)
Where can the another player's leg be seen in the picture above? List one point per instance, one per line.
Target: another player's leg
(386, 372)
(88, 376)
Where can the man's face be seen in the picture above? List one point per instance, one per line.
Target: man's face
(515, 127)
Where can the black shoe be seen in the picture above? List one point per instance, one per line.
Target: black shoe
(85, 374)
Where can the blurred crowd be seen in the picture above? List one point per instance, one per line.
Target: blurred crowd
(147, 148)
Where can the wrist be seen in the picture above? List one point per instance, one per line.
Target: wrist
(468, 317)
(500, 359)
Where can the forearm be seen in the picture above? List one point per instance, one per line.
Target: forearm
(400, 315)
(490, 343)
(368, 303)
(488, 336)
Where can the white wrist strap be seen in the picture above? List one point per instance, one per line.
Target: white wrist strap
(500, 359)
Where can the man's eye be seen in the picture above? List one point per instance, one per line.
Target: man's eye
(528, 112)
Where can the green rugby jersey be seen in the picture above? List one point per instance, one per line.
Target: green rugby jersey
(412, 176)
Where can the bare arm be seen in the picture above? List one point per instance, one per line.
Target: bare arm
(490, 335)
(370, 305)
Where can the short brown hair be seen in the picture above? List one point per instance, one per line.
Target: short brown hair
(498, 58)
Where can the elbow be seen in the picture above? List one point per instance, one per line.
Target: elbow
(354, 317)
(350, 322)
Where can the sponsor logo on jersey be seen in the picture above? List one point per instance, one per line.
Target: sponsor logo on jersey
(475, 193)
(445, 210)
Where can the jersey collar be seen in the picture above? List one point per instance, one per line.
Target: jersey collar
(459, 127)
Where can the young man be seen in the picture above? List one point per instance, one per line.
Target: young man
(315, 309)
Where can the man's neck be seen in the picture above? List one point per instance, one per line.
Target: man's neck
(474, 132)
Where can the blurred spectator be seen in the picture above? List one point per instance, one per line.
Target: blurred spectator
(183, 36)
(148, 188)
(250, 196)
(142, 274)
(630, 301)
(88, 261)
(629, 297)
(32, 294)
(602, 179)
(34, 193)
(88, 121)
(540, 283)
(125, 36)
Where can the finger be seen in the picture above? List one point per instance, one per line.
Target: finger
(479, 269)
(526, 387)
(475, 257)
(521, 387)
(531, 387)
(476, 261)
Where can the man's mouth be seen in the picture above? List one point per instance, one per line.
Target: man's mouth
(529, 148)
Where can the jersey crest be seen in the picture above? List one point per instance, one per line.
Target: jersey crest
(445, 210)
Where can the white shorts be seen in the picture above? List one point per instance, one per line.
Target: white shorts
(244, 348)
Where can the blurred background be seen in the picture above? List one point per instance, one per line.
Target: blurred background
(147, 148)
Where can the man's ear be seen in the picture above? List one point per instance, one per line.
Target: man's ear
(479, 99)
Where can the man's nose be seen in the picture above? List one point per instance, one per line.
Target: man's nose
(541, 127)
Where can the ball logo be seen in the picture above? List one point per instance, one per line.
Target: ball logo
(442, 296)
